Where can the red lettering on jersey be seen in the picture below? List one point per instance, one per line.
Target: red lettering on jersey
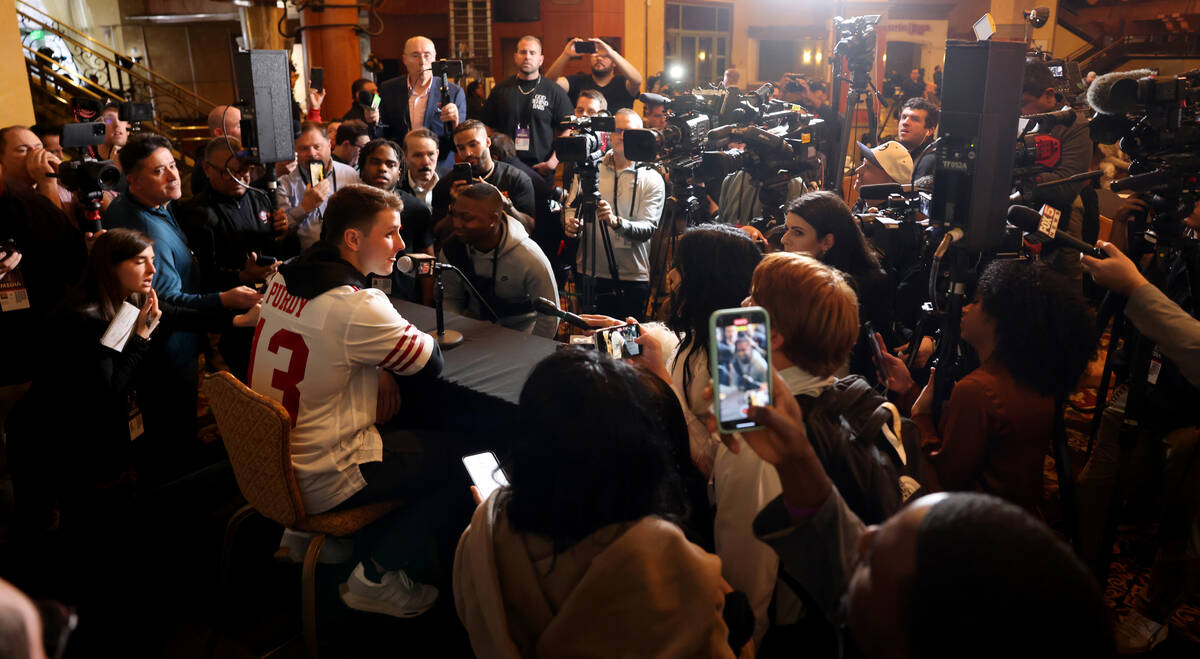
(279, 298)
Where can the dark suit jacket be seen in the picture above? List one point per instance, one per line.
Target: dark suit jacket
(393, 112)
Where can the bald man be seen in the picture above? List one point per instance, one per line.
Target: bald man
(415, 101)
(222, 120)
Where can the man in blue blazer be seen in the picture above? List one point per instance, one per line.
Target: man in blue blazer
(415, 101)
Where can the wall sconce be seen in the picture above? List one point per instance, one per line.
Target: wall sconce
(807, 56)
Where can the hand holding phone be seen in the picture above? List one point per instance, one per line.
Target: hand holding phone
(485, 473)
(740, 359)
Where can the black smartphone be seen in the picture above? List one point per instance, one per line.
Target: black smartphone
(619, 342)
(740, 359)
(264, 260)
(316, 78)
(582, 47)
(463, 171)
(870, 331)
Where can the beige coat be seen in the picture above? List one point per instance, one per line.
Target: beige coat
(638, 589)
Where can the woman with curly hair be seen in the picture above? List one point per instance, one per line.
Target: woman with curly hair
(1032, 332)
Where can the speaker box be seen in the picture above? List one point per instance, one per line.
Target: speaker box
(517, 11)
(981, 97)
(266, 101)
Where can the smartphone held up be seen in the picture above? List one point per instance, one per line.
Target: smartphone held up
(740, 358)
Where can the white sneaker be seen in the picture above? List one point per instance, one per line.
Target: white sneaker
(396, 594)
(1137, 634)
(293, 544)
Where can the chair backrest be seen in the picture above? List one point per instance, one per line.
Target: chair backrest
(257, 435)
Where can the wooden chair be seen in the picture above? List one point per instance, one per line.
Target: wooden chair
(257, 435)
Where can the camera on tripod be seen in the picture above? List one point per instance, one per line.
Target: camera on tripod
(1155, 121)
(856, 40)
(585, 145)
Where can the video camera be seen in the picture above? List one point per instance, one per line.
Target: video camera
(856, 40)
(1156, 119)
(585, 145)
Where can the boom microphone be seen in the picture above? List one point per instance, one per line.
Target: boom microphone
(1116, 93)
(1047, 120)
(659, 99)
(544, 306)
(1140, 182)
(1030, 221)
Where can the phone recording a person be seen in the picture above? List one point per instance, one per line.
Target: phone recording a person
(740, 358)
(619, 342)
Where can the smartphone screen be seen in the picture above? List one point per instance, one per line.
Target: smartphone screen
(316, 78)
(316, 172)
(619, 341)
(375, 100)
(740, 358)
(485, 472)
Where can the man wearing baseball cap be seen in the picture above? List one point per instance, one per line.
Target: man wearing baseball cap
(889, 162)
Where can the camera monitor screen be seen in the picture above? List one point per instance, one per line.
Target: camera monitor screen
(741, 344)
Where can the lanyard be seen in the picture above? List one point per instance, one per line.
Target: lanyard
(633, 201)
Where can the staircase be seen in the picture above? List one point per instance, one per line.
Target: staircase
(64, 63)
(471, 35)
(1163, 46)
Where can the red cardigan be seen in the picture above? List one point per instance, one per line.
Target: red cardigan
(993, 437)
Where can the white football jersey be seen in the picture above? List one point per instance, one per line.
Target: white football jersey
(320, 358)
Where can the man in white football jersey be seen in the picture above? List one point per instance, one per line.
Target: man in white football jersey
(327, 347)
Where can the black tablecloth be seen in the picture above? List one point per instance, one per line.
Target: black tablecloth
(491, 360)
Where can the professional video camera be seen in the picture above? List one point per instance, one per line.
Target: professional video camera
(856, 40)
(584, 145)
(1156, 119)
(86, 176)
(777, 142)
(585, 149)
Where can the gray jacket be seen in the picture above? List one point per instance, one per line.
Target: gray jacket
(522, 271)
(1165, 323)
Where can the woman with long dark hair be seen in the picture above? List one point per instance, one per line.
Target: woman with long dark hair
(72, 432)
(713, 267)
(821, 225)
(581, 553)
(1032, 331)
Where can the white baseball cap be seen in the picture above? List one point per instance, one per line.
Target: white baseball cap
(892, 158)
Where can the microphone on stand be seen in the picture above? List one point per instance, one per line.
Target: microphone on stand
(423, 265)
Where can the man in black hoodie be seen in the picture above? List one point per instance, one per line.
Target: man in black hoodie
(328, 347)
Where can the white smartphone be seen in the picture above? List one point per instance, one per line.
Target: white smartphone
(740, 359)
(485, 472)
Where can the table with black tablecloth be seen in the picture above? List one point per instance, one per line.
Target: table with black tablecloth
(481, 381)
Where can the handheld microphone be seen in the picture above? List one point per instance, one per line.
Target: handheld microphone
(544, 306)
(1116, 93)
(1044, 228)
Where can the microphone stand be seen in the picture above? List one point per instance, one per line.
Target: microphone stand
(448, 338)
